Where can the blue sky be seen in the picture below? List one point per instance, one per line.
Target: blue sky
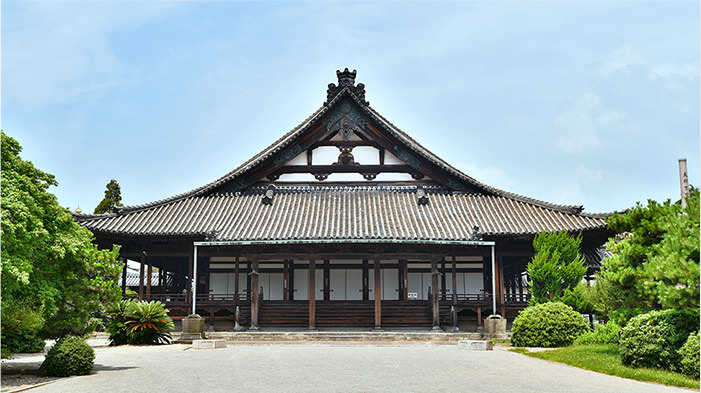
(570, 102)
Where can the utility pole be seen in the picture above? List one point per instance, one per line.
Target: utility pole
(683, 181)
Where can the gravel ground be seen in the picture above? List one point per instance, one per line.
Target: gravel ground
(345, 367)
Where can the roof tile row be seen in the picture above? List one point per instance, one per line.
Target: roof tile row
(342, 213)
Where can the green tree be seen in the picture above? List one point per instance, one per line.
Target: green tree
(655, 261)
(53, 276)
(112, 199)
(556, 269)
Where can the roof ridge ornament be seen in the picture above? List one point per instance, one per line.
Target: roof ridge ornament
(346, 79)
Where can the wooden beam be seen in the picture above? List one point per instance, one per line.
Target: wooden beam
(343, 168)
(346, 143)
(378, 294)
(312, 294)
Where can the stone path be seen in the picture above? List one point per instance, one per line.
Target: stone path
(324, 367)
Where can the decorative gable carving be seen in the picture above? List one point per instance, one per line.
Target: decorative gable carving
(344, 111)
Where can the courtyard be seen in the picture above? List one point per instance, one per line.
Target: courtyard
(342, 367)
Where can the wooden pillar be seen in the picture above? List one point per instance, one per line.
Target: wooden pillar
(455, 281)
(141, 275)
(405, 279)
(443, 290)
(150, 271)
(378, 294)
(188, 285)
(160, 276)
(248, 279)
(124, 276)
(285, 280)
(366, 285)
(165, 275)
(312, 294)
(500, 283)
(401, 279)
(292, 280)
(487, 276)
(520, 287)
(254, 296)
(327, 279)
(479, 317)
(434, 293)
(237, 269)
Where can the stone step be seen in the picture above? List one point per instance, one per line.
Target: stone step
(348, 336)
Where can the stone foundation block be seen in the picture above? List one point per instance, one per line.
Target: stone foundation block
(208, 344)
(475, 345)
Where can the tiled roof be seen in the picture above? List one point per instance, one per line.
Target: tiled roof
(594, 256)
(133, 279)
(387, 213)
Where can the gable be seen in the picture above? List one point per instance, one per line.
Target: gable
(344, 146)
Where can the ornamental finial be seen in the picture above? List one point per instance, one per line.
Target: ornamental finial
(346, 79)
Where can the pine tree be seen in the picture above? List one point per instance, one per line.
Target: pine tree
(112, 199)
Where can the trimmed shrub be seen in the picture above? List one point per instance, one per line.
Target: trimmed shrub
(602, 334)
(654, 339)
(69, 356)
(20, 341)
(139, 323)
(547, 325)
(690, 356)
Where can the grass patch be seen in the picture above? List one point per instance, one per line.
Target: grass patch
(607, 360)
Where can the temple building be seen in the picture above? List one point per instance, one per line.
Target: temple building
(345, 221)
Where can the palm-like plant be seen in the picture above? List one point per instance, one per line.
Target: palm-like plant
(148, 323)
(116, 326)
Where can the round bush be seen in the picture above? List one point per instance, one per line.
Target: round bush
(690, 356)
(547, 325)
(602, 334)
(20, 341)
(654, 339)
(69, 356)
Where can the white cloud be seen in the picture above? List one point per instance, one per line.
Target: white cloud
(59, 51)
(489, 175)
(580, 186)
(668, 70)
(625, 59)
(622, 59)
(578, 127)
